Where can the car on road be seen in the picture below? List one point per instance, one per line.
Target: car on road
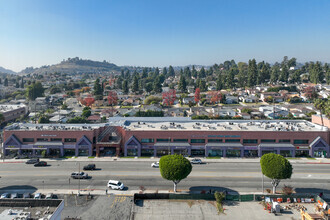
(155, 165)
(115, 184)
(41, 164)
(26, 195)
(196, 161)
(5, 195)
(14, 196)
(90, 167)
(32, 161)
(37, 196)
(79, 175)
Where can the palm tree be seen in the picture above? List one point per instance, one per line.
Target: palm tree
(319, 104)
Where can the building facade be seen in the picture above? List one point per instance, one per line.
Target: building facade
(156, 137)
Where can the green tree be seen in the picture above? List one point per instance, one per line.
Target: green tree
(320, 105)
(230, 78)
(35, 90)
(125, 87)
(171, 71)
(86, 113)
(174, 168)
(275, 167)
(43, 120)
(202, 73)
(135, 84)
(187, 72)
(97, 87)
(157, 86)
(165, 71)
(5, 83)
(182, 84)
(284, 74)
(275, 72)
(327, 73)
(148, 87)
(152, 100)
(194, 72)
(252, 73)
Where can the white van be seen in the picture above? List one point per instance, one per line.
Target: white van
(114, 184)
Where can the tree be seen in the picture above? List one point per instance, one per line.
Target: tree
(97, 87)
(112, 98)
(201, 73)
(169, 97)
(148, 87)
(327, 73)
(182, 84)
(125, 87)
(252, 73)
(43, 120)
(152, 100)
(174, 168)
(135, 84)
(171, 71)
(275, 167)
(5, 83)
(320, 104)
(284, 75)
(230, 78)
(216, 97)
(35, 90)
(197, 95)
(157, 86)
(165, 71)
(310, 93)
(89, 101)
(86, 112)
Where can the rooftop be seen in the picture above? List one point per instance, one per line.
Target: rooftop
(7, 108)
(53, 127)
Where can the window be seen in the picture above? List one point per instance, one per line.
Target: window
(214, 140)
(70, 140)
(147, 140)
(250, 141)
(56, 139)
(284, 141)
(197, 141)
(42, 139)
(268, 141)
(28, 139)
(232, 140)
(180, 140)
(300, 141)
(163, 140)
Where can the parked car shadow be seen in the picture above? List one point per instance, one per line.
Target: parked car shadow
(211, 189)
(312, 190)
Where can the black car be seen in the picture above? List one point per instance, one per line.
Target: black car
(32, 161)
(90, 167)
(41, 164)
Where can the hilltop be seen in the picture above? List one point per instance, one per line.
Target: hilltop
(74, 66)
(3, 70)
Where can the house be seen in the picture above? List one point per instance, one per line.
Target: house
(276, 96)
(58, 119)
(188, 100)
(94, 118)
(220, 111)
(249, 99)
(245, 115)
(231, 99)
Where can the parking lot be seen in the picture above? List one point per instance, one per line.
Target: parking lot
(97, 207)
(201, 209)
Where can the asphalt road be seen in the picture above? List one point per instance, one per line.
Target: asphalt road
(242, 177)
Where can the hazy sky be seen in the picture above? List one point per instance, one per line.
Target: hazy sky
(162, 32)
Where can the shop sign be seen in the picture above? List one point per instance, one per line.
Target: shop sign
(233, 148)
(180, 147)
(302, 148)
(40, 146)
(11, 146)
(48, 135)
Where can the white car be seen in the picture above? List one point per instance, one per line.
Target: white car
(155, 165)
(5, 195)
(37, 196)
(196, 161)
(115, 184)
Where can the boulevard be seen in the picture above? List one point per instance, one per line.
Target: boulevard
(240, 177)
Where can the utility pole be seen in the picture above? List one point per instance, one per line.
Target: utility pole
(79, 181)
(262, 177)
(169, 148)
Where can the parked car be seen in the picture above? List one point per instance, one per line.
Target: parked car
(90, 167)
(79, 175)
(26, 195)
(115, 184)
(49, 196)
(155, 165)
(32, 161)
(41, 164)
(14, 196)
(37, 196)
(5, 195)
(196, 161)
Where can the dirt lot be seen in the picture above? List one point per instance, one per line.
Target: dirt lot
(97, 207)
(188, 209)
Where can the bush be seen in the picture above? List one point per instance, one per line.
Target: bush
(287, 190)
(219, 197)
(43, 153)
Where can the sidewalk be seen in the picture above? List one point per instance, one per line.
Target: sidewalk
(206, 160)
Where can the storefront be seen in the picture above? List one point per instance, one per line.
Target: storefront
(132, 148)
(198, 151)
(147, 151)
(286, 150)
(224, 150)
(319, 148)
(250, 151)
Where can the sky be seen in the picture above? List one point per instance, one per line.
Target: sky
(162, 32)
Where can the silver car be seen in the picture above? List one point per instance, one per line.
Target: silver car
(14, 196)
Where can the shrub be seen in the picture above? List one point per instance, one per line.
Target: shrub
(287, 190)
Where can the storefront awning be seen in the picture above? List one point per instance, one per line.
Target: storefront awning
(224, 145)
(46, 143)
(276, 145)
(172, 145)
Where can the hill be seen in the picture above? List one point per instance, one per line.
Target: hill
(3, 70)
(74, 66)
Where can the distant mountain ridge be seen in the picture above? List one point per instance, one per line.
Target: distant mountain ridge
(74, 66)
(4, 70)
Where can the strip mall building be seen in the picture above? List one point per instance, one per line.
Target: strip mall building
(155, 137)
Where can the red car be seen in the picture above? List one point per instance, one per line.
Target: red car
(41, 164)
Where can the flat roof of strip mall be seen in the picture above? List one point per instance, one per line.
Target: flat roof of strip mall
(187, 124)
(178, 124)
